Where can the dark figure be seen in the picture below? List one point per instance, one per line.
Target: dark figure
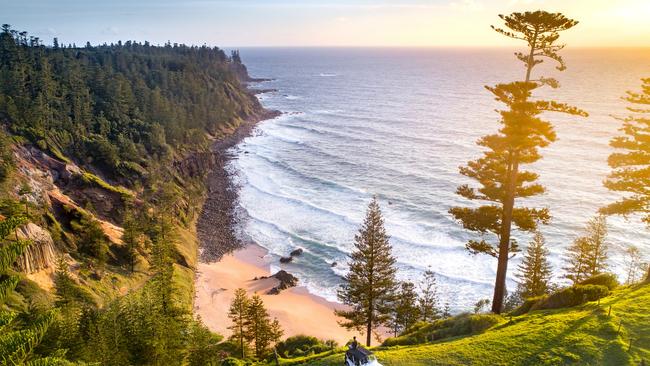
(354, 343)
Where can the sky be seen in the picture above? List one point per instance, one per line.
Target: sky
(370, 23)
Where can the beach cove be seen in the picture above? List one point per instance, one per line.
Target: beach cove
(298, 311)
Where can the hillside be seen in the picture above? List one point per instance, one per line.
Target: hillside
(104, 155)
(585, 335)
(97, 134)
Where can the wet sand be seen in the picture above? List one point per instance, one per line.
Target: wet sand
(298, 311)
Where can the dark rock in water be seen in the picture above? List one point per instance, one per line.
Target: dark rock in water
(296, 252)
(334, 264)
(286, 279)
(286, 259)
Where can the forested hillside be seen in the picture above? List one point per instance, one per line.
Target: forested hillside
(122, 108)
(104, 153)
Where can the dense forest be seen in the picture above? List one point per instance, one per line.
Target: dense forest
(123, 108)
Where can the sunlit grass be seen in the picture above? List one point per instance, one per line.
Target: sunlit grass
(584, 335)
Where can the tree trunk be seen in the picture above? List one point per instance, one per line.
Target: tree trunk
(647, 277)
(241, 342)
(368, 332)
(504, 243)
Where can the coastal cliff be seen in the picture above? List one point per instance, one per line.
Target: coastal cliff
(144, 128)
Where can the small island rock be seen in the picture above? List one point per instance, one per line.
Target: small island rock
(286, 259)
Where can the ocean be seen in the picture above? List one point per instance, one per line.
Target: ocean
(397, 123)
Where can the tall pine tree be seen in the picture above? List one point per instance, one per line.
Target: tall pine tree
(588, 255)
(406, 311)
(630, 166)
(238, 314)
(523, 132)
(428, 300)
(261, 331)
(633, 263)
(369, 287)
(535, 270)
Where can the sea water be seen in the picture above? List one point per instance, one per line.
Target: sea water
(397, 123)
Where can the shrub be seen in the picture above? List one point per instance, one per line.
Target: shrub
(608, 280)
(463, 324)
(92, 240)
(230, 361)
(302, 345)
(571, 296)
(526, 306)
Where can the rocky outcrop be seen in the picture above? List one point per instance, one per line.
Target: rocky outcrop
(46, 174)
(285, 260)
(286, 279)
(62, 205)
(197, 164)
(294, 253)
(40, 254)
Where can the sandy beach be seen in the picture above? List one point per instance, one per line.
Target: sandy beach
(298, 311)
(227, 264)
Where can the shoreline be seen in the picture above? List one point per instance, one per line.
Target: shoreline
(217, 220)
(225, 263)
(297, 310)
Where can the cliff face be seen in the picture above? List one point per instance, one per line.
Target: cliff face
(41, 254)
(52, 185)
(194, 165)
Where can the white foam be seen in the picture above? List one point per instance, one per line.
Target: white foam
(400, 133)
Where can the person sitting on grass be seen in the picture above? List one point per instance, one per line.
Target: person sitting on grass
(354, 343)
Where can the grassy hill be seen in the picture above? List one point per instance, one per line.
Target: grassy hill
(584, 335)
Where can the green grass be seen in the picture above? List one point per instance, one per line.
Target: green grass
(583, 335)
(93, 179)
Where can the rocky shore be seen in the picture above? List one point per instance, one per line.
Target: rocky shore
(216, 223)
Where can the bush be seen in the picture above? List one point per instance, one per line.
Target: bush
(91, 238)
(302, 345)
(463, 324)
(230, 361)
(526, 306)
(571, 296)
(608, 280)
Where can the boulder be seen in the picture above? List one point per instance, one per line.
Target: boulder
(287, 280)
(296, 252)
(286, 259)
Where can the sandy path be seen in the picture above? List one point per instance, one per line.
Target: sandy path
(298, 311)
